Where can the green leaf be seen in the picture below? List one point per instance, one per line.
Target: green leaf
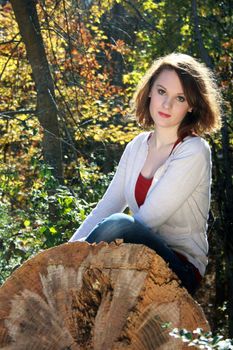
(53, 230)
(27, 223)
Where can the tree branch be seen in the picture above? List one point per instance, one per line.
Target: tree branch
(20, 111)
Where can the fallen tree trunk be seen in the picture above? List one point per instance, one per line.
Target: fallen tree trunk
(100, 297)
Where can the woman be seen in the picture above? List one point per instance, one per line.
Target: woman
(164, 175)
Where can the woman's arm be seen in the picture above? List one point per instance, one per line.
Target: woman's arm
(190, 165)
(112, 202)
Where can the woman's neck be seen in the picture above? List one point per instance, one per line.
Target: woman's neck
(163, 137)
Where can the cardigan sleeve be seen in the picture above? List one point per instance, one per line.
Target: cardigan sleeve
(112, 202)
(189, 168)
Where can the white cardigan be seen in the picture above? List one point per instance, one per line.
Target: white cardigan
(177, 204)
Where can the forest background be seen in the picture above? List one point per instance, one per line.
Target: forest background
(68, 70)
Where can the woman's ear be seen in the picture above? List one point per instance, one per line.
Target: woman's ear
(190, 110)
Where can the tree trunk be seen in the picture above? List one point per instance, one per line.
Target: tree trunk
(202, 50)
(27, 19)
(228, 222)
(100, 297)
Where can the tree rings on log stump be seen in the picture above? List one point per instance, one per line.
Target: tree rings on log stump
(100, 297)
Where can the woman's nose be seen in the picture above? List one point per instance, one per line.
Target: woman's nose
(167, 102)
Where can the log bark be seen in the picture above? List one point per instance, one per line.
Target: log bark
(106, 296)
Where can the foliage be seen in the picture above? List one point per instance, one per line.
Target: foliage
(32, 229)
(202, 340)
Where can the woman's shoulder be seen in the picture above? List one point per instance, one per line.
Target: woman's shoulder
(140, 138)
(194, 145)
(138, 142)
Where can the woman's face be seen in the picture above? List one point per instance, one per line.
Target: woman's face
(168, 104)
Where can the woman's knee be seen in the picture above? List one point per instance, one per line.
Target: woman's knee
(119, 218)
(110, 228)
(115, 224)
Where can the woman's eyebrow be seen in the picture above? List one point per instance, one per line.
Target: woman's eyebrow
(159, 85)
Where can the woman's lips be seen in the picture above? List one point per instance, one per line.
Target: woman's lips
(164, 115)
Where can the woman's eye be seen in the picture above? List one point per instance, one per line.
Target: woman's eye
(161, 91)
(180, 98)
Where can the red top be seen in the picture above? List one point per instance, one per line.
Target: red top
(143, 184)
(142, 187)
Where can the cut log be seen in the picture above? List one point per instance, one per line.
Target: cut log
(106, 296)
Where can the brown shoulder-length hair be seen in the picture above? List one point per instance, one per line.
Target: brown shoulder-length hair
(200, 90)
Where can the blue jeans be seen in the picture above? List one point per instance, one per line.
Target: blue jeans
(132, 231)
